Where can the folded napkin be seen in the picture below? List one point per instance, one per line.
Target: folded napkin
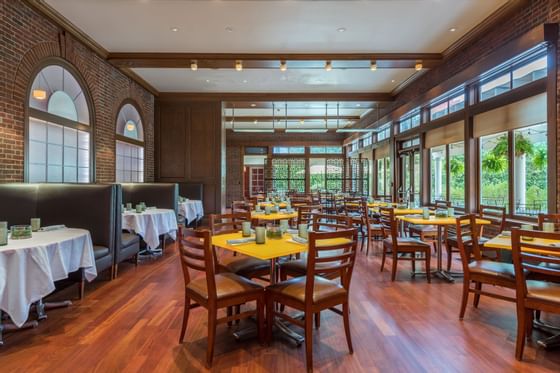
(52, 228)
(151, 208)
(239, 241)
(298, 239)
(292, 231)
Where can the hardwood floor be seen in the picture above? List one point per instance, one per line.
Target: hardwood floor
(133, 323)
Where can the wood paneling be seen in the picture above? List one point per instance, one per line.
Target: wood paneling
(190, 142)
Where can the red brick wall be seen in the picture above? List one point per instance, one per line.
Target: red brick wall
(26, 39)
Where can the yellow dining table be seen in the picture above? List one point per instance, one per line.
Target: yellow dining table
(282, 205)
(372, 205)
(271, 250)
(439, 223)
(273, 216)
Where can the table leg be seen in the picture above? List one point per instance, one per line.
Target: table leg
(4, 327)
(439, 272)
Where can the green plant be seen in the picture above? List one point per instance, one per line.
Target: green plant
(494, 163)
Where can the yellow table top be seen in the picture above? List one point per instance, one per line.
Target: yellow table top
(282, 205)
(418, 220)
(504, 242)
(274, 217)
(272, 248)
(375, 204)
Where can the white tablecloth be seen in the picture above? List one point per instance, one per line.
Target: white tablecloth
(150, 224)
(29, 267)
(191, 209)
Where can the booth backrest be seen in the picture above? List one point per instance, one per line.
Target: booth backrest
(191, 191)
(87, 206)
(162, 195)
(18, 203)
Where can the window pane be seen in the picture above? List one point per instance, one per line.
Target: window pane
(457, 174)
(61, 104)
(457, 103)
(317, 174)
(381, 177)
(54, 134)
(37, 173)
(438, 111)
(54, 154)
(37, 130)
(70, 174)
(129, 162)
(495, 87)
(70, 156)
(530, 170)
(494, 173)
(388, 180)
(438, 174)
(70, 137)
(37, 152)
(530, 72)
(54, 174)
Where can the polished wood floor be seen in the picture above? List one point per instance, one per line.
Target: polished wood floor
(132, 324)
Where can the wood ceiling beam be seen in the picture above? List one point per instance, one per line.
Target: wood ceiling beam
(255, 97)
(272, 60)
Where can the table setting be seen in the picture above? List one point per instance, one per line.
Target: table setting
(190, 209)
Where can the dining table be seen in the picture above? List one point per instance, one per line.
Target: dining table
(272, 250)
(440, 223)
(273, 216)
(191, 210)
(151, 224)
(30, 267)
(503, 242)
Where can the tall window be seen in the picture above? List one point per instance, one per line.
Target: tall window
(58, 137)
(494, 166)
(285, 174)
(438, 173)
(381, 177)
(457, 174)
(129, 146)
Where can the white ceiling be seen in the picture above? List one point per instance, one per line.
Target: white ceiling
(275, 26)
(265, 80)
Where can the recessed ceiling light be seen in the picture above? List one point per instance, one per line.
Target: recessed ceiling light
(283, 66)
(373, 66)
(418, 66)
(452, 29)
(328, 66)
(207, 80)
(301, 121)
(238, 65)
(358, 105)
(244, 80)
(341, 29)
(194, 65)
(229, 29)
(255, 121)
(392, 81)
(253, 105)
(174, 29)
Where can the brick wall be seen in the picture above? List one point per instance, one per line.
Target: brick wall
(27, 39)
(234, 175)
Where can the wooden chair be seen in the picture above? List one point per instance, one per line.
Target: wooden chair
(352, 207)
(395, 245)
(321, 223)
(241, 206)
(476, 269)
(372, 226)
(549, 218)
(306, 212)
(428, 233)
(214, 291)
(313, 292)
(241, 265)
(534, 295)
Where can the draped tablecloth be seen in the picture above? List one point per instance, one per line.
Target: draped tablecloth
(29, 267)
(150, 224)
(191, 209)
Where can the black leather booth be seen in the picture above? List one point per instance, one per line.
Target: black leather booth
(161, 195)
(87, 206)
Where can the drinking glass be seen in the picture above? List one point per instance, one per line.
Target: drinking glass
(35, 224)
(260, 235)
(246, 229)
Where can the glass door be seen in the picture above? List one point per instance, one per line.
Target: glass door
(409, 172)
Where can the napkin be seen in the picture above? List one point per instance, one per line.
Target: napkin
(240, 241)
(292, 231)
(151, 208)
(52, 228)
(298, 239)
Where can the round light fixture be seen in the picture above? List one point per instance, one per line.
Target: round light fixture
(301, 121)
(283, 66)
(418, 66)
(194, 65)
(341, 29)
(373, 66)
(174, 29)
(238, 65)
(130, 126)
(328, 66)
(253, 105)
(244, 80)
(452, 29)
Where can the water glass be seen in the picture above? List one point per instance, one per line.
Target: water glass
(450, 212)
(129, 206)
(267, 210)
(3, 233)
(246, 229)
(284, 225)
(527, 227)
(425, 213)
(302, 230)
(260, 235)
(138, 208)
(35, 224)
(548, 227)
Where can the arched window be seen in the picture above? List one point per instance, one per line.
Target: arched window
(130, 145)
(58, 136)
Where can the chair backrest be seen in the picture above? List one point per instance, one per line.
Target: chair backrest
(441, 204)
(467, 233)
(228, 223)
(497, 217)
(241, 206)
(388, 223)
(352, 206)
(331, 222)
(330, 259)
(195, 254)
(306, 212)
(549, 218)
(527, 260)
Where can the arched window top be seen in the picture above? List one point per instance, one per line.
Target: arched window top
(129, 123)
(56, 91)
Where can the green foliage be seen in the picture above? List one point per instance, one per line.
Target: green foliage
(540, 158)
(494, 163)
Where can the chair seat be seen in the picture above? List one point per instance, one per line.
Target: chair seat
(406, 241)
(491, 268)
(100, 251)
(227, 285)
(243, 264)
(295, 288)
(543, 291)
(300, 266)
(128, 239)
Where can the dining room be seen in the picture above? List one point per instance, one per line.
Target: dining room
(287, 186)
